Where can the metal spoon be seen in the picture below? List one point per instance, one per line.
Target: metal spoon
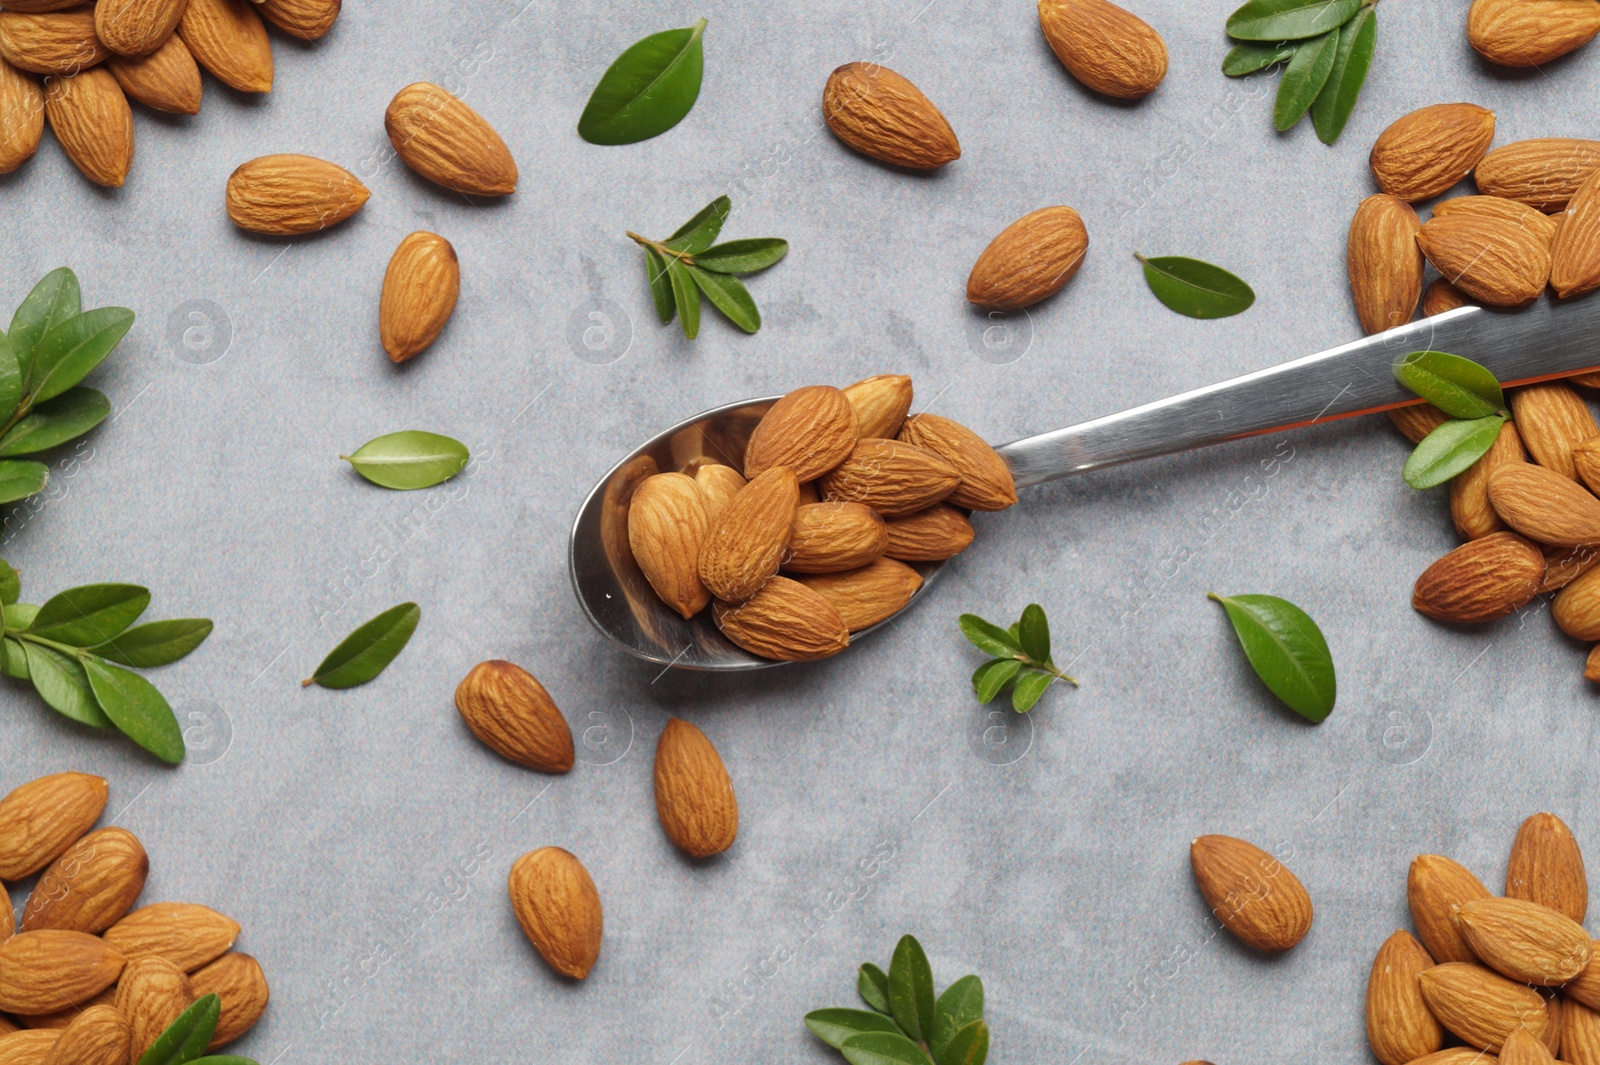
(1550, 339)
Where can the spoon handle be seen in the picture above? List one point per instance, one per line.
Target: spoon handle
(1549, 339)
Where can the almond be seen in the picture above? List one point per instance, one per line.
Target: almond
(1563, 565)
(1553, 419)
(1417, 420)
(184, 933)
(1441, 296)
(52, 969)
(419, 294)
(1399, 1026)
(308, 20)
(99, 1036)
(28, 1047)
(91, 886)
(558, 908)
(1481, 580)
(34, 7)
(1544, 172)
(21, 117)
(282, 195)
(150, 994)
(1519, 214)
(42, 818)
(986, 482)
(881, 404)
(238, 981)
(1435, 888)
(136, 28)
(931, 535)
(882, 115)
(1576, 609)
(892, 477)
(1587, 380)
(785, 621)
(1543, 505)
(58, 42)
(509, 711)
(1591, 665)
(1425, 152)
(718, 484)
(1546, 867)
(1585, 987)
(1457, 1056)
(1384, 262)
(90, 117)
(167, 79)
(834, 537)
(227, 38)
(8, 923)
(1110, 50)
(1530, 33)
(1522, 1048)
(811, 430)
(448, 142)
(1494, 261)
(694, 795)
(1554, 1008)
(1524, 941)
(1575, 256)
(1469, 491)
(1480, 1006)
(1032, 259)
(863, 597)
(666, 531)
(1580, 1031)
(1253, 894)
(59, 1019)
(745, 548)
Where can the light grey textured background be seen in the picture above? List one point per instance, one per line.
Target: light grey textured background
(362, 838)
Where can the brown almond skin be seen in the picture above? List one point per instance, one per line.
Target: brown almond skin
(1427, 151)
(448, 142)
(51, 969)
(1436, 887)
(718, 484)
(835, 537)
(1470, 509)
(1543, 173)
(419, 294)
(1524, 941)
(39, 820)
(309, 20)
(1480, 1006)
(286, 195)
(1563, 565)
(27, 1047)
(1554, 1008)
(90, 117)
(694, 794)
(1030, 260)
(61, 42)
(167, 79)
(136, 28)
(1107, 48)
(1523, 1048)
(863, 597)
(986, 481)
(558, 907)
(882, 115)
(1515, 33)
(666, 531)
(785, 621)
(98, 1036)
(228, 39)
(91, 886)
(1586, 462)
(747, 545)
(1399, 1027)
(1384, 262)
(1417, 420)
(1441, 296)
(892, 477)
(1575, 255)
(881, 404)
(1494, 261)
(185, 933)
(1544, 506)
(1553, 420)
(1585, 987)
(1253, 894)
(21, 117)
(1457, 1056)
(509, 711)
(1519, 214)
(1546, 867)
(1580, 1030)
(1481, 580)
(238, 981)
(931, 535)
(151, 993)
(1576, 609)
(811, 430)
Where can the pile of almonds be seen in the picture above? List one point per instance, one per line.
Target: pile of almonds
(839, 490)
(85, 973)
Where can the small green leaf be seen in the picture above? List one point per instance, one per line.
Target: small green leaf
(10, 583)
(911, 988)
(696, 235)
(1289, 20)
(1248, 58)
(1030, 686)
(1034, 632)
(63, 685)
(742, 256)
(1358, 39)
(1195, 288)
(19, 616)
(647, 90)
(10, 377)
(686, 294)
(655, 271)
(157, 643)
(991, 678)
(70, 350)
(872, 984)
(728, 295)
(364, 653)
(139, 711)
(1451, 449)
(834, 1026)
(20, 479)
(969, 1046)
(882, 1048)
(959, 1005)
(13, 658)
(1287, 651)
(53, 300)
(1304, 78)
(90, 614)
(987, 637)
(1459, 387)
(56, 421)
(185, 1039)
(410, 459)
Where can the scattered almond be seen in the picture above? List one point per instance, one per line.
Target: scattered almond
(1575, 256)
(1563, 565)
(1109, 49)
(666, 531)
(1479, 1006)
(1481, 580)
(167, 79)
(1425, 152)
(1543, 173)
(1441, 296)
(283, 195)
(1524, 941)
(1435, 888)
(184, 933)
(309, 20)
(227, 38)
(1034, 257)
(1553, 419)
(136, 28)
(1490, 259)
(1399, 1026)
(1493, 207)
(237, 980)
(882, 115)
(90, 117)
(1517, 33)
(558, 908)
(1523, 1048)
(1384, 262)
(834, 537)
(448, 142)
(1543, 505)
(863, 597)
(931, 535)
(1576, 609)
(21, 117)
(811, 430)
(57, 42)
(91, 886)
(1469, 491)
(1580, 1031)
(1253, 894)
(1416, 420)
(881, 404)
(419, 294)
(509, 711)
(98, 1036)
(42, 818)
(52, 969)
(785, 620)
(1546, 867)
(694, 795)
(746, 547)
(150, 994)
(892, 477)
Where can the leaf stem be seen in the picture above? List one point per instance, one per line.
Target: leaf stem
(66, 649)
(1048, 667)
(661, 249)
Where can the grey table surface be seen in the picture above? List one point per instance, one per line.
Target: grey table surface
(362, 838)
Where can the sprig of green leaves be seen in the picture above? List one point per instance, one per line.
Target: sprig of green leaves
(687, 264)
(184, 1041)
(1021, 658)
(906, 1024)
(1326, 47)
(1466, 391)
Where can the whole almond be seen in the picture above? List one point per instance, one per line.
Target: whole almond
(746, 546)
(1576, 608)
(58, 42)
(881, 404)
(59, 1019)
(238, 981)
(448, 142)
(42, 818)
(1481, 580)
(90, 117)
(1441, 296)
(509, 711)
(136, 28)
(1435, 888)
(1543, 505)
(419, 294)
(785, 621)
(1384, 262)
(1575, 256)
(986, 482)
(53, 968)
(1586, 462)
(1469, 491)
(834, 537)
(1399, 1027)
(1563, 565)
(694, 795)
(718, 484)
(1425, 152)
(558, 908)
(1580, 1031)
(21, 117)
(1553, 419)
(1494, 261)
(1479, 1006)
(1253, 894)
(1032, 258)
(931, 535)
(882, 115)
(227, 38)
(30, 1046)
(91, 886)
(1110, 50)
(150, 994)
(184, 933)
(892, 477)
(1524, 941)
(666, 531)
(1415, 421)
(1523, 1048)
(1544, 172)
(811, 430)
(98, 1036)
(1546, 867)
(283, 195)
(309, 20)
(1520, 33)
(863, 597)
(1495, 207)
(167, 79)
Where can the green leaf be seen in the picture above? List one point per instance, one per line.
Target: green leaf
(728, 295)
(834, 1026)
(364, 653)
(19, 616)
(70, 350)
(1034, 632)
(1451, 449)
(655, 271)
(157, 643)
(409, 459)
(1304, 78)
(10, 583)
(696, 235)
(1249, 58)
(1459, 387)
(1196, 288)
(21, 479)
(185, 1039)
(882, 1048)
(139, 711)
(742, 256)
(872, 984)
(90, 614)
(63, 685)
(959, 1005)
(647, 90)
(13, 658)
(1289, 20)
(56, 421)
(911, 988)
(53, 300)
(10, 378)
(1358, 38)
(969, 1046)
(991, 678)
(987, 637)
(1030, 686)
(1287, 651)
(687, 296)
